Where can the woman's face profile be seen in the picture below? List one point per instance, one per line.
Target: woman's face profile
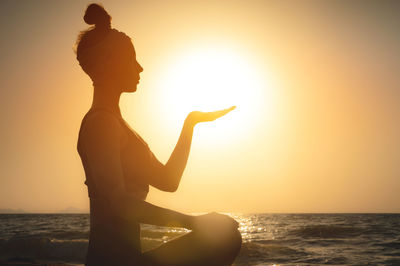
(131, 71)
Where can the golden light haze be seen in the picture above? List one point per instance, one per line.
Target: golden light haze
(316, 86)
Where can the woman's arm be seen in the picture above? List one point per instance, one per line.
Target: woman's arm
(171, 175)
(173, 169)
(131, 208)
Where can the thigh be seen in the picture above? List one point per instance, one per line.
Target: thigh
(197, 248)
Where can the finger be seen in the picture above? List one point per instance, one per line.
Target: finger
(228, 109)
(236, 224)
(220, 113)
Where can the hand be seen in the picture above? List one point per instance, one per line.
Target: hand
(213, 222)
(198, 116)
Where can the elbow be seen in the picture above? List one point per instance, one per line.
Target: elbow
(171, 181)
(172, 188)
(165, 185)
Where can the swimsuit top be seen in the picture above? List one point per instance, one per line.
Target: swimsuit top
(137, 160)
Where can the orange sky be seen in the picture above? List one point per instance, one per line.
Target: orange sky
(321, 136)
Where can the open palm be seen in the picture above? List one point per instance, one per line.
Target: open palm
(198, 116)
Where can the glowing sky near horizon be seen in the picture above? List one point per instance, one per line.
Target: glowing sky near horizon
(316, 86)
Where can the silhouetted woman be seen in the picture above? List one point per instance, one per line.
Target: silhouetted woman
(119, 166)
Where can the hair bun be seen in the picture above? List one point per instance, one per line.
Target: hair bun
(96, 15)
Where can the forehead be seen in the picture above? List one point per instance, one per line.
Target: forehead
(130, 47)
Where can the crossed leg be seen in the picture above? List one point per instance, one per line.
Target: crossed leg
(198, 249)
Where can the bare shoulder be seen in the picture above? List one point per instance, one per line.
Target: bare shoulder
(99, 127)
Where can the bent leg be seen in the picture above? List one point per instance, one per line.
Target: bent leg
(198, 248)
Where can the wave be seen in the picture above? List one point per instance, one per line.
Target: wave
(43, 249)
(258, 253)
(61, 235)
(74, 251)
(78, 235)
(326, 231)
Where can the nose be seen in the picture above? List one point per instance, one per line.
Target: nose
(139, 67)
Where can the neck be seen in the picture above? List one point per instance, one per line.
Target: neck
(105, 97)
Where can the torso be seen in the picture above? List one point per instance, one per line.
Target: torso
(112, 237)
(133, 150)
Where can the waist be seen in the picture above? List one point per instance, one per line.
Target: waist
(105, 225)
(140, 191)
(102, 211)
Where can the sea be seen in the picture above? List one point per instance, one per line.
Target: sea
(268, 239)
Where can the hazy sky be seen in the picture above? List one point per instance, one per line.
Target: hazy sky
(316, 129)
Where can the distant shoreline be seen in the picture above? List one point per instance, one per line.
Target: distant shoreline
(69, 210)
(253, 213)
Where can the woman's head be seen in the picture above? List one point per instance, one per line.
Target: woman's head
(105, 54)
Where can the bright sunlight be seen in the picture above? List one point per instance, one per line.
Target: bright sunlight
(214, 78)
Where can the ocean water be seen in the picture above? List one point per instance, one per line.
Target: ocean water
(268, 239)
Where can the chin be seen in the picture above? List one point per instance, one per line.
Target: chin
(131, 88)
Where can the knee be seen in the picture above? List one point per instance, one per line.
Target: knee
(222, 245)
(228, 240)
(237, 237)
(235, 240)
(229, 248)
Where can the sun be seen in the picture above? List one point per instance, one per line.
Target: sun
(213, 78)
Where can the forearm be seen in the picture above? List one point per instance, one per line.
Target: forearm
(178, 159)
(131, 208)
